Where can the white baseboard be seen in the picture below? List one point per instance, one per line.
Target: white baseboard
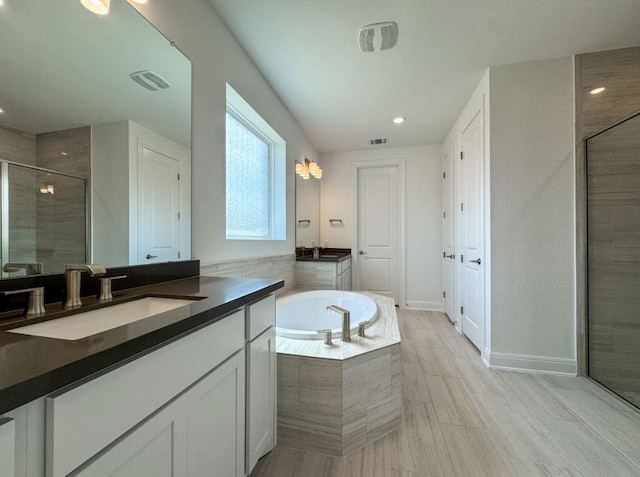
(424, 305)
(532, 364)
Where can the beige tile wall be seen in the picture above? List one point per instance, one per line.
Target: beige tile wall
(277, 267)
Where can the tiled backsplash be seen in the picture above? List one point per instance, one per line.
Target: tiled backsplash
(276, 266)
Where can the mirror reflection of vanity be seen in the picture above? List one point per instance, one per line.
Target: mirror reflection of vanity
(94, 159)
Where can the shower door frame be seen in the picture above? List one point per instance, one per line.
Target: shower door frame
(4, 208)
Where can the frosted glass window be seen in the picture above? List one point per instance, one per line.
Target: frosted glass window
(249, 195)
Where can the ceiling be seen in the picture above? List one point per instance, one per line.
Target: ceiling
(64, 67)
(308, 51)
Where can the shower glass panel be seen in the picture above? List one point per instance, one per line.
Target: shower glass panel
(44, 218)
(613, 244)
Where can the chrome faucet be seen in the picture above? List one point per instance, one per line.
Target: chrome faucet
(72, 279)
(346, 321)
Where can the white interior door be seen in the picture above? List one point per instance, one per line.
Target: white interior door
(379, 231)
(472, 223)
(448, 201)
(158, 207)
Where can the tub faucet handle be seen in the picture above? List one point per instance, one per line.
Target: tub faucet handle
(361, 327)
(327, 336)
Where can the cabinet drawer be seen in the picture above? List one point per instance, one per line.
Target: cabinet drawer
(85, 419)
(260, 316)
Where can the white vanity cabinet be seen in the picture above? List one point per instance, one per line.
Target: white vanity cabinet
(7, 446)
(98, 422)
(261, 380)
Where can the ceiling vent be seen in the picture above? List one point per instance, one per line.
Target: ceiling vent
(378, 141)
(149, 80)
(382, 36)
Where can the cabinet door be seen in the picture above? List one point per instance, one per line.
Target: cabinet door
(156, 448)
(216, 422)
(261, 408)
(7, 446)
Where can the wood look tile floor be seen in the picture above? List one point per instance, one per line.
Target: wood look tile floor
(462, 419)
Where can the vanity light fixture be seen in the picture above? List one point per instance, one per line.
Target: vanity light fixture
(398, 120)
(308, 168)
(597, 90)
(99, 7)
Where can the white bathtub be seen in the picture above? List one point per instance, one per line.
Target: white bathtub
(299, 316)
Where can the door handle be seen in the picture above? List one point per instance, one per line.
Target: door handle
(478, 261)
(149, 256)
(362, 253)
(450, 256)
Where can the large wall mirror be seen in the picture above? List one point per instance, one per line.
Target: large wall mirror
(307, 212)
(87, 147)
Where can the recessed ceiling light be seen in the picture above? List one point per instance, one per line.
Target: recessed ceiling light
(63, 153)
(1, 110)
(138, 1)
(597, 90)
(398, 120)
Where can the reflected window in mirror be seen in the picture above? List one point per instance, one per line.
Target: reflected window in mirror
(255, 175)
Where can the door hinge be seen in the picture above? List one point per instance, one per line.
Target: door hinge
(461, 258)
(444, 294)
(462, 310)
(178, 176)
(178, 215)
(461, 155)
(461, 206)
(178, 254)
(444, 215)
(444, 254)
(444, 175)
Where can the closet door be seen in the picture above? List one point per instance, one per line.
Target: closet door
(613, 245)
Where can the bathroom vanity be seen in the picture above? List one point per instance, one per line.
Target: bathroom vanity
(180, 392)
(329, 270)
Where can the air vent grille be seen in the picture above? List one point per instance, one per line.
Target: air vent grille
(378, 141)
(380, 36)
(149, 80)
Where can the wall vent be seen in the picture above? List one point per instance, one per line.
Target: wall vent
(382, 36)
(149, 80)
(378, 141)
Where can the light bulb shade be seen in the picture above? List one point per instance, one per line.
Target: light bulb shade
(313, 167)
(305, 174)
(299, 168)
(319, 174)
(99, 7)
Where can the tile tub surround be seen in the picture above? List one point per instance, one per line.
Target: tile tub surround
(347, 396)
(276, 267)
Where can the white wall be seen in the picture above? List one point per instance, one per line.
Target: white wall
(424, 213)
(217, 58)
(532, 216)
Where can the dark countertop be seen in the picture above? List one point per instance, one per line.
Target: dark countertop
(326, 255)
(32, 366)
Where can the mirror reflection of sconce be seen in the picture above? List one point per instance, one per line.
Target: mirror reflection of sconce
(308, 168)
(335, 222)
(101, 7)
(304, 223)
(47, 189)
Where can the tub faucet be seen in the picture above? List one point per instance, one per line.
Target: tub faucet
(346, 321)
(72, 280)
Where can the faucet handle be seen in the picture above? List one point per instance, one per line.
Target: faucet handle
(35, 300)
(327, 336)
(361, 327)
(105, 287)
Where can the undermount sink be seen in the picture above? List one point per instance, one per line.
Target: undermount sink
(91, 322)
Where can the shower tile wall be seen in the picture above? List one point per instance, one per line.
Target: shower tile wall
(61, 235)
(619, 72)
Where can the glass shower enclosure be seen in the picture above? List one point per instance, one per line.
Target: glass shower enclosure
(613, 261)
(43, 219)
